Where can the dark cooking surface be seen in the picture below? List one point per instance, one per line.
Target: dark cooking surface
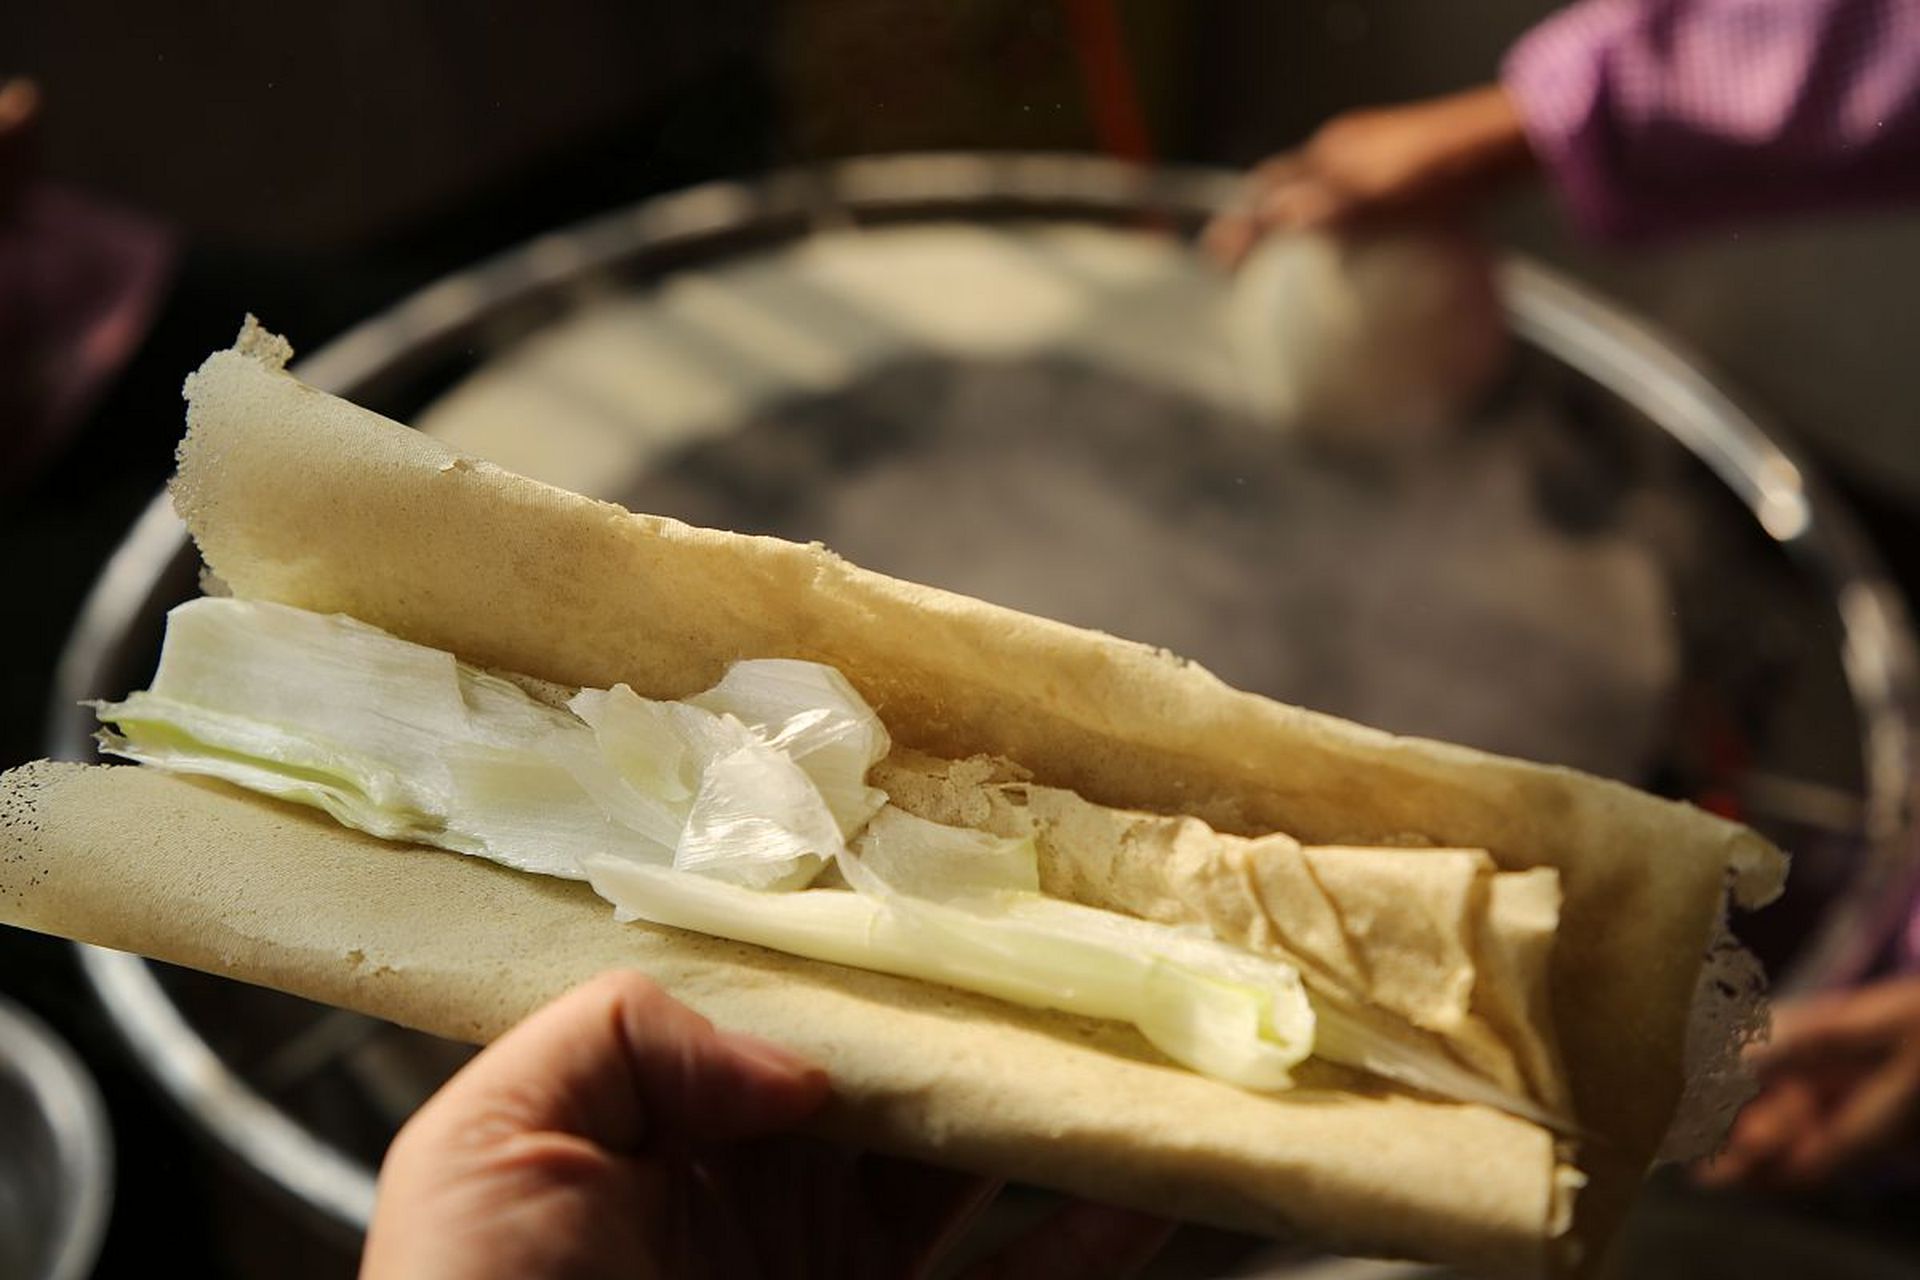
(1454, 599)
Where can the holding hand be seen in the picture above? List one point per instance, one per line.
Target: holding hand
(618, 1133)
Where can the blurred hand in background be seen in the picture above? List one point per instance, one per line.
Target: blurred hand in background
(1840, 1085)
(1423, 161)
(1649, 119)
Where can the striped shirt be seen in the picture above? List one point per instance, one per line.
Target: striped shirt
(1655, 117)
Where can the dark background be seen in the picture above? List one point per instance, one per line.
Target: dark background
(317, 163)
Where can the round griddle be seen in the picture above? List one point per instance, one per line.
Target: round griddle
(1004, 375)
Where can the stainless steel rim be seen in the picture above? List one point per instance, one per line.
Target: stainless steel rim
(1652, 372)
(1631, 358)
(82, 1136)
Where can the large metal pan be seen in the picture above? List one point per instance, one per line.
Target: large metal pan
(1786, 689)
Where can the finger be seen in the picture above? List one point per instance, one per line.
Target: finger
(1733, 1165)
(1081, 1240)
(1842, 1021)
(1764, 1131)
(1228, 238)
(1802, 1028)
(1235, 230)
(1868, 1120)
(620, 1063)
(1306, 205)
(1276, 171)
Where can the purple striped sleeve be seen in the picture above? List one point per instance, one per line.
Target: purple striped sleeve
(1661, 116)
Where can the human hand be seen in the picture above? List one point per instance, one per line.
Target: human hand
(1422, 160)
(617, 1133)
(1840, 1082)
(19, 115)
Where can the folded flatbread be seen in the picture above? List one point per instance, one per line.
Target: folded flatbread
(300, 498)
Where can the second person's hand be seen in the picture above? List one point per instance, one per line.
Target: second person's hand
(1839, 1083)
(1430, 159)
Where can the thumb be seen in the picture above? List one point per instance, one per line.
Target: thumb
(621, 1064)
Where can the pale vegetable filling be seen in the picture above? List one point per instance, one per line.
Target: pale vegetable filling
(745, 812)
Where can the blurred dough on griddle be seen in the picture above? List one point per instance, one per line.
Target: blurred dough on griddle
(1376, 340)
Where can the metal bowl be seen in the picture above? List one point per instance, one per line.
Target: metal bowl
(1761, 556)
(56, 1156)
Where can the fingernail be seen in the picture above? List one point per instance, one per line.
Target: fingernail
(770, 1055)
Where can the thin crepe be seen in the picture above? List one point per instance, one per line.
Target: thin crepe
(298, 497)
